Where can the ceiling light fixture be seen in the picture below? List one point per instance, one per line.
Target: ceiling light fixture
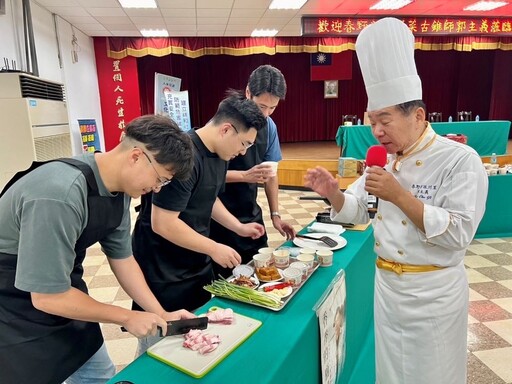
(485, 5)
(154, 32)
(264, 32)
(286, 4)
(137, 3)
(391, 4)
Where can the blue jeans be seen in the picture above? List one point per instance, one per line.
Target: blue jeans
(145, 342)
(97, 370)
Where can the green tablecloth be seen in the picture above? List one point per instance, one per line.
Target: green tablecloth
(497, 220)
(486, 137)
(286, 348)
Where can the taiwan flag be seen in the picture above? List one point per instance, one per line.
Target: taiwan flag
(331, 66)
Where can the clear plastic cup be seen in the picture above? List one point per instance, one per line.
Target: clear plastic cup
(301, 266)
(293, 276)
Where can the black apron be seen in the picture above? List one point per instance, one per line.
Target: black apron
(37, 347)
(177, 275)
(240, 200)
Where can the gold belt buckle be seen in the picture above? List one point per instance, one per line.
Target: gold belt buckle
(399, 268)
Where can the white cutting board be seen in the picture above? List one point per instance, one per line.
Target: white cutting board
(171, 351)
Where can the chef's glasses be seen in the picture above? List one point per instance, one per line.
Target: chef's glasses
(245, 144)
(163, 181)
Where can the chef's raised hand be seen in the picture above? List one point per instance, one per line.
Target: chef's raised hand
(225, 256)
(142, 324)
(257, 174)
(322, 182)
(252, 230)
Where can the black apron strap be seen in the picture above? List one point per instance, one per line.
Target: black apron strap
(86, 170)
(20, 174)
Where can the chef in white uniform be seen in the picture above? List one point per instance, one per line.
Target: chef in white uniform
(432, 195)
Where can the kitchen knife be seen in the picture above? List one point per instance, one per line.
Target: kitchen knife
(179, 327)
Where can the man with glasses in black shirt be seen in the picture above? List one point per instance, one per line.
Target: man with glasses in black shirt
(171, 237)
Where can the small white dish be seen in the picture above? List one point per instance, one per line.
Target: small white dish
(253, 279)
(243, 270)
(316, 245)
(270, 281)
(281, 293)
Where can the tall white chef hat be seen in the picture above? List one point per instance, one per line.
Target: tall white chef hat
(385, 51)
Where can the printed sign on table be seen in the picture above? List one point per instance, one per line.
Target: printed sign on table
(330, 310)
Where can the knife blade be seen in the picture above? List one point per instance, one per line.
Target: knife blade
(180, 327)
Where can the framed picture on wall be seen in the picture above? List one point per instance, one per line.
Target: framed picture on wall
(330, 89)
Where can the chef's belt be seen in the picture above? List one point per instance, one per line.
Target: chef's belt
(400, 268)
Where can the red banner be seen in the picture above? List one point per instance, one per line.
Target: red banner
(331, 66)
(419, 25)
(119, 92)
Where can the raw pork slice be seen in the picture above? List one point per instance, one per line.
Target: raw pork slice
(200, 341)
(222, 316)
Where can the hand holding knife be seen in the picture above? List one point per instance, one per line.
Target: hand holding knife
(179, 327)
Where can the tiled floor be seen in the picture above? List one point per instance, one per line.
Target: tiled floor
(489, 268)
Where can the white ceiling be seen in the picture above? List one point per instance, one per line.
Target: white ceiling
(227, 17)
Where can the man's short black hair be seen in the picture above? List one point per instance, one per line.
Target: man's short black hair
(170, 146)
(267, 79)
(240, 111)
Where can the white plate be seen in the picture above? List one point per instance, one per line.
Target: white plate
(254, 279)
(286, 291)
(306, 243)
(270, 281)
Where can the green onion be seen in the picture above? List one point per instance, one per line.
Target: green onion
(247, 295)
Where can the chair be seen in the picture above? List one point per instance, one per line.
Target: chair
(435, 117)
(464, 116)
(351, 119)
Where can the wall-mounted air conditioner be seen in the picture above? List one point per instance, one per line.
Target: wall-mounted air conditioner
(34, 123)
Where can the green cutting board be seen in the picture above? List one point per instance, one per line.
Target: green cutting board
(170, 350)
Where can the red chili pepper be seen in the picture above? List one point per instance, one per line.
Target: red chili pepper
(277, 286)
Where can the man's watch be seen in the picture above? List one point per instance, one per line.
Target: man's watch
(272, 214)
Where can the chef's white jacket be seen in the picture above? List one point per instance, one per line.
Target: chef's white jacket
(421, 318)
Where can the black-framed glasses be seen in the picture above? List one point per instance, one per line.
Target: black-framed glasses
(163, 181)
(246, 145)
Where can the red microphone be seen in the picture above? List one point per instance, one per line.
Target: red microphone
(376, 156)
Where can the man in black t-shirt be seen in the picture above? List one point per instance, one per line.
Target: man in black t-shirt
(170, 239)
